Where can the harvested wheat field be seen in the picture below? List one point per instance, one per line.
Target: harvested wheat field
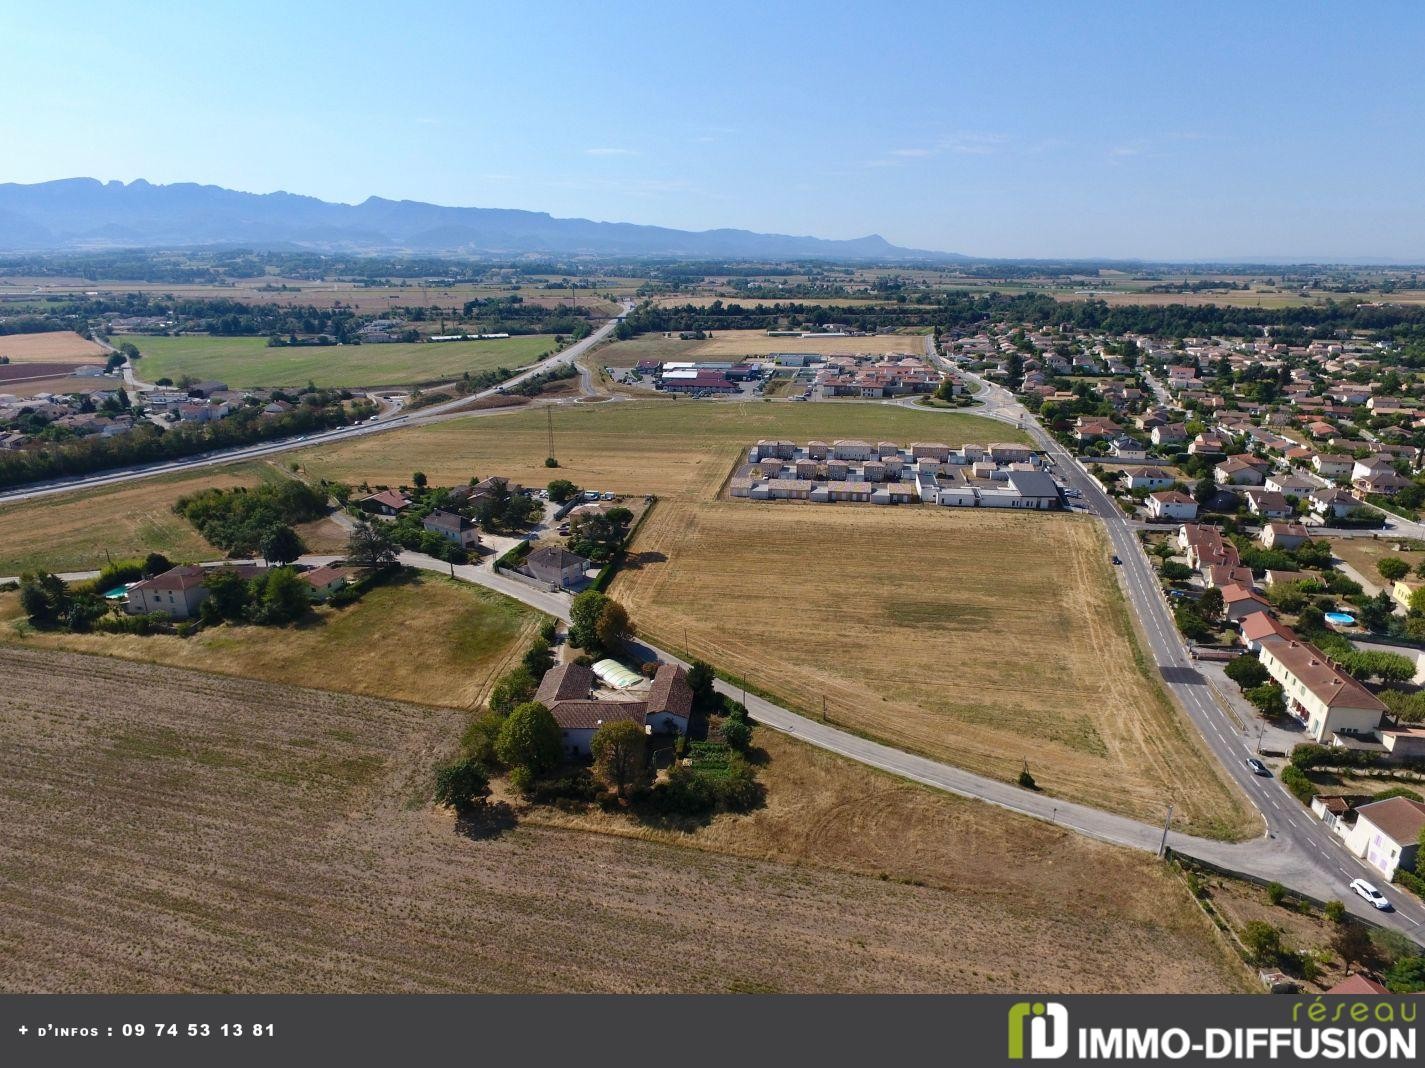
(72, 532)
(194, 833)
(981, 638)
(62, 346)
(424, 638)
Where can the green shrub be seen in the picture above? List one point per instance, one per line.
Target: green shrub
(1026, 780)
(1335, 911)
(1276, 893)
(1295, 780)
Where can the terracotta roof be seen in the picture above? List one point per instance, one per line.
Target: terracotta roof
(670, 691)
(589, 714)
(1399, 818)
(390, 498)
(1260, 626)
(1328, 683)
(1358, 984)
(1234, 592)
(329, 573)
(564, 682)
(183, 577)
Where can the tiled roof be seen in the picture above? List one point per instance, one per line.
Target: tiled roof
(564, 682)
(1398, 817)
(670, 691)
(589, 714)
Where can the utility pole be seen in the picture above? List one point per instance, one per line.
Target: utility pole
(1261, 729)
(1163, 845)
(823, 708)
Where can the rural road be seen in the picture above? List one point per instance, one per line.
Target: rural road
(390, 421)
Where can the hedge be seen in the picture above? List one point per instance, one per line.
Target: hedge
(1410, 881)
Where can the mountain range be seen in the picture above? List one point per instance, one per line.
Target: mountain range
(86, 214)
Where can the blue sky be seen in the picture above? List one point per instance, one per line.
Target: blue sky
(1173, 131)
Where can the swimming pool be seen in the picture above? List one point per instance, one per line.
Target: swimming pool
(1341, 619)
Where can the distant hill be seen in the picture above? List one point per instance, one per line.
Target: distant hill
(84, 213)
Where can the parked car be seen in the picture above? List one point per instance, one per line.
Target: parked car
(1258, 768)
(1371, 894)
(1115, 559)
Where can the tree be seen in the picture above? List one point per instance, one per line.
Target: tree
(620, 755)
(1247, 672)
(1263, 942)
(419, 480)
(461, 784)
(43, 598)
(370, 545)
(1392, 568)
(1352, 943)
(529, 738)
(1268, 699)
(700, 680)
(514, 688)
(281, 545)
(613, 627)
(1417, 602)
(1406, 976)
(1204, 491)
(1210, 603)
(538, 659)
(737, 733)
(561, 490)
(584, 612)
(284, 597)
(155, 564)
(229, 594)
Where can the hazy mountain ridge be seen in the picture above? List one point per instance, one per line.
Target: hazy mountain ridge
(84, 213)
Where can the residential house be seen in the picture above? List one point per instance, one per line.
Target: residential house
(558, 567)
(388, 502)
(1236, 471)
(327, 579)
(1260, 627)
(453, 527)
(1318, 693)
(1171, 504)
(1239, 602)
(1125, 448)
(1333, 503)
(1207, 444)
(1289, 485)
(1387, 834)
(1169, 433)
(1282, 535)
(1150, 478)
(1403, 592)
(1267, 504)
(176, 593)
(1332, 465)
(1386, 483)
(1204, 546)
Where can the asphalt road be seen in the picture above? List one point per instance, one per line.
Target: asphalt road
(1304, 853)
(392, 420)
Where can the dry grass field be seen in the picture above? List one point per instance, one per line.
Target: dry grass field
(63, 346)
(1365, 553)
(672, 448)
(427, 639)
(980, 638)
(191, 833)
(72, 532)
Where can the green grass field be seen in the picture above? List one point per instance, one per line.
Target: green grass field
(248, 361)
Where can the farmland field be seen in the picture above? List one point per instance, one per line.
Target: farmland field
(249, 361)
(73, 532)
(191, 833)
(427, 639)
(671, 448)
(981, 638)
(59, 346)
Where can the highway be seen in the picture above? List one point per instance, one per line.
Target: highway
(393, 419)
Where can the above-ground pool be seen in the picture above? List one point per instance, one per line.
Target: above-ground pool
(1341, 619)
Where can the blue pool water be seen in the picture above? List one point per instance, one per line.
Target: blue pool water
(1341, 619)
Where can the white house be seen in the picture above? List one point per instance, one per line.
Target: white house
(1318, 693)
(1172, 504)
(1387, 834)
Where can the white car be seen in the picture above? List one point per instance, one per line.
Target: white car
(1370, 893)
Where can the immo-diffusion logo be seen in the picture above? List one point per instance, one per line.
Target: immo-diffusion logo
(1048, 1030)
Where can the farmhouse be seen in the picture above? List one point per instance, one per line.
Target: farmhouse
(178, 592)
(568, 691)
